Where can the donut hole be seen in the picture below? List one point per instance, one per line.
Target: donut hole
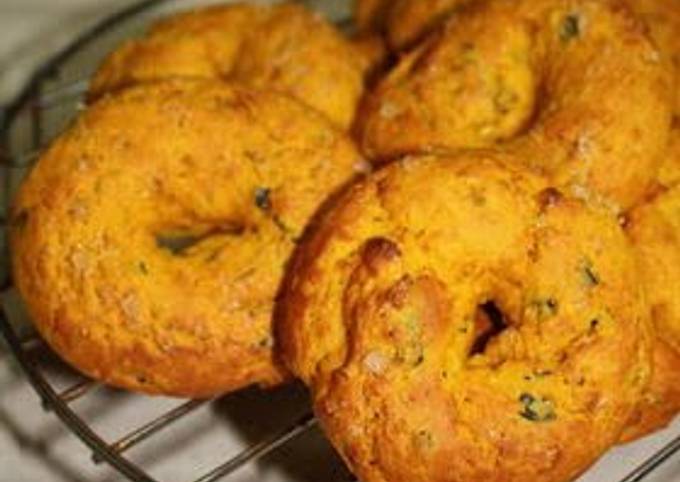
(179, 241)
(490, 322)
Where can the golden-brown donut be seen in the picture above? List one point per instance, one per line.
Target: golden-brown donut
(201, 43)
(574, 87)
(149, 240)
(283, 47)
(381, 317)
(655, 231)
(652, 226)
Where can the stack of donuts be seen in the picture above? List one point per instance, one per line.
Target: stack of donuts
(459, 226)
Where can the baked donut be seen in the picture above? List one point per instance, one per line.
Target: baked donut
(283, 47)
(654, 229)
(573, 87)
(464, 322)
(149, 240)
(656, 237)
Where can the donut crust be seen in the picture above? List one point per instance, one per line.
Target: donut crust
(539, 86)
(654, 229)
(283, 47)
(150, 239)
(381, 319)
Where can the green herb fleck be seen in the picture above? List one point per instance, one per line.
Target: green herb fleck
(214, 254)
(589, 274)
(545, 308)
(177, 244)
(262, 198)
(423, 440)
(505, 100)
(536, 410)
(143, 268)
(413, 354)
(411, 320)
(594, 323)
(570, 28)
(538, 374)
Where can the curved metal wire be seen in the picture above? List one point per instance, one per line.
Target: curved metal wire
(51, 400)
(51, 66)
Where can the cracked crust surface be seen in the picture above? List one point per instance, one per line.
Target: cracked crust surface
(150, 239)
(574, 87)
(284, 47)
(386, 317)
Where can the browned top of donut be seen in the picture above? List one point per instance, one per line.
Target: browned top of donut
(456, 320)
(150, 239)
(286, 47)
(575, 87)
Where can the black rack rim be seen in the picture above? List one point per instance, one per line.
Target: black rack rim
(71, 420)
(47, 68)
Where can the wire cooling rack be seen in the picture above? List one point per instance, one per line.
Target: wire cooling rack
(47, 102)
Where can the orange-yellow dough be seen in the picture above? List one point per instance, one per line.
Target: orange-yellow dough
(416, 376)
(574, 88)
(285, 47)
(655, 231)
(652, 226)
(663, 19)
(150, 239)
